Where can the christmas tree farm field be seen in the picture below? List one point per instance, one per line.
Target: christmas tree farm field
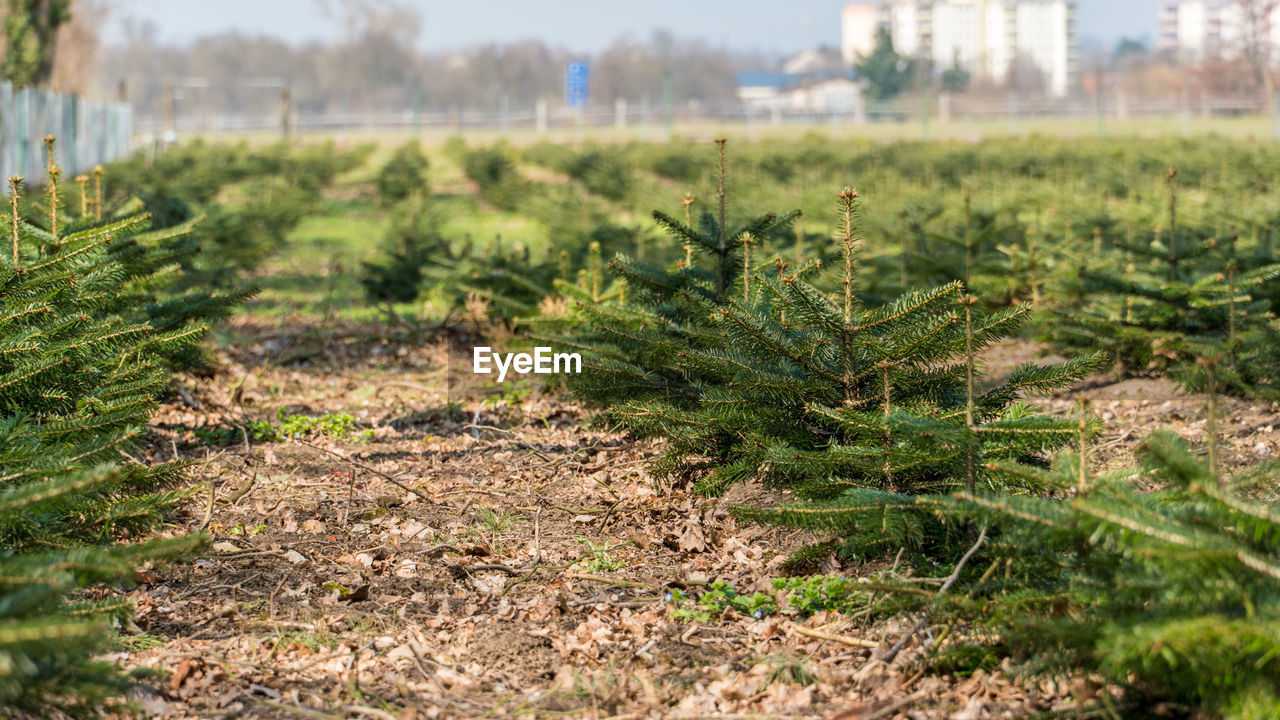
(991, 435)
(480, 553)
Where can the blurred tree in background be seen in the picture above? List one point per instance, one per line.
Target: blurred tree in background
(377, 65)
(885, 72)
(955, 78)
(30, 32)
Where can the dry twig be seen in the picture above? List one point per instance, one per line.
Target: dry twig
(892, 653)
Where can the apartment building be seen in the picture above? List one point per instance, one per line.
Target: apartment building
(1196, 29)
(989, 38)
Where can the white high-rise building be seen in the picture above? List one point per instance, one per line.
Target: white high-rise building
(989, 38)
(858, 25)
(1197, 29)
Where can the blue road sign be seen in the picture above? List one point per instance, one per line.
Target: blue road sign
(575, 84)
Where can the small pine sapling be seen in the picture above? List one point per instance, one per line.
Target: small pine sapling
(634, 351)
(81, 368)
(1175, 301)
(403, 176)
(1171, 597)
(857, 409)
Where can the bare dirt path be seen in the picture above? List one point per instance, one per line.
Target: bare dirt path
(483, 556)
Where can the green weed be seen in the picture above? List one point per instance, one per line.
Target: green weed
(141, 642)
(599, 558)
(497, 521)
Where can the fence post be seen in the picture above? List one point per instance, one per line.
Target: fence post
(72, 123)
(1186, 113)
(924, 109)
(620, 114)
(667, 119)
(540, 116)
(417, 110)
(24, 118)
(1275, 117)
(170, 114)
(1099, 101)
(7, 120)
(286, 109)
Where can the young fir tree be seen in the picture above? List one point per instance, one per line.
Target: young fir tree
(250, 197)
(150, 259)
(80, 371)
(412, 246)
(495, 173)
(558, 309)
(972, 250)
(1179, 298)
(856, 409)
(1169, 598)
(403, 176)
(637, 348)
(1172, 596)
(514, 287)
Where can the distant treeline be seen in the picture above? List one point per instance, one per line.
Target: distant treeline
(380, 68)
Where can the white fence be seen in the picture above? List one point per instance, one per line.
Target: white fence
(89, 133)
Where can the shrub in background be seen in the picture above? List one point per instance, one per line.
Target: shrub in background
(81, 366)
(403, 175)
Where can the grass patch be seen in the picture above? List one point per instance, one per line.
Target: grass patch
(339, 426)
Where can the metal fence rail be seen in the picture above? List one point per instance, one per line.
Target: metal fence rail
(89, 133)
(642, 115)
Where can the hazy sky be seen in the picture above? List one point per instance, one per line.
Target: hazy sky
(768, 25)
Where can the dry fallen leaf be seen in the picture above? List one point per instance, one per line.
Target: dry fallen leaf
(692, 537)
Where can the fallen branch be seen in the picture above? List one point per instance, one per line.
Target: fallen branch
(537, 555)
(577, 511)
(366, 710)
(243, 492)
(611, 581)
(842, 639)
(481, 490)
(892, 653)
(887, 711)
(440, 550)
(208, 511)
(486, 568)
(379, 473)
(632, 603)
(476, 427)
(250, 553)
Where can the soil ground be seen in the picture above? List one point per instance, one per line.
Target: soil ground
(482, 555)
